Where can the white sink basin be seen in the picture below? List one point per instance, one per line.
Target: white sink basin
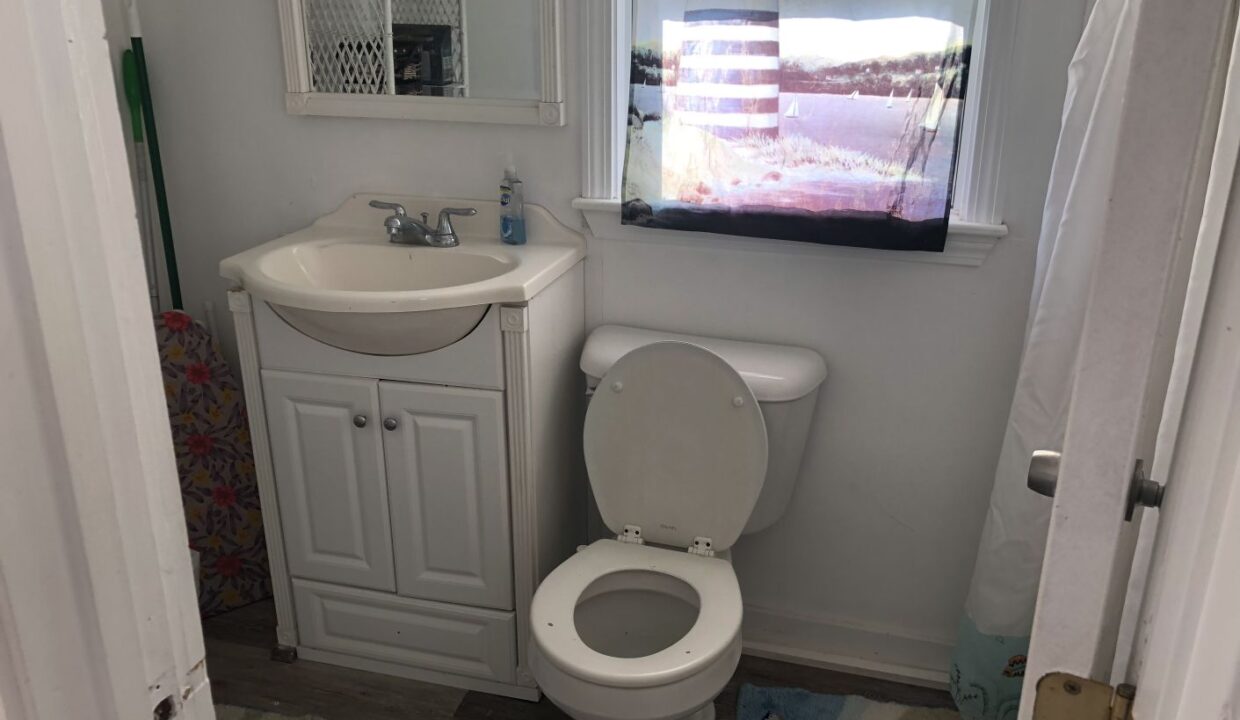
(351, 266)
(342, 282)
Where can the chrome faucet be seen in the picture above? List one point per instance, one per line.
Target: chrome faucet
(404, 230)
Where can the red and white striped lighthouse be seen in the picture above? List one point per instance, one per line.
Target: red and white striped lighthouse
(728, 82)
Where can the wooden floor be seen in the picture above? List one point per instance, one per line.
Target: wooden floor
(239, 642)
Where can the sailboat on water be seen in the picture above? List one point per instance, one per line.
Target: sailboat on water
(794, 109)
(854, 95)
(891, 99)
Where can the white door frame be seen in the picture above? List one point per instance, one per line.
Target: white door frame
(98, 617)
(1185, 655)
(1118, 387)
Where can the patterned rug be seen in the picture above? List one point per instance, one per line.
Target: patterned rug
(762, 703)
(230, 712)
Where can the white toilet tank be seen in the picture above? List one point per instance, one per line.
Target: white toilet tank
(784, 379)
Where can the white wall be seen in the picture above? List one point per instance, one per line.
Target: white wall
(882, 531)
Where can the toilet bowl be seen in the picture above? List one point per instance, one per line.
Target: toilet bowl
(631, 631)
(646, 626)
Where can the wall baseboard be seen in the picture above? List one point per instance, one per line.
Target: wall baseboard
(835, 645)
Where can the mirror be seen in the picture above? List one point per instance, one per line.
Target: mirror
(467, 60)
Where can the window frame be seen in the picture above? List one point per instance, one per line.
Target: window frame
(976, 222)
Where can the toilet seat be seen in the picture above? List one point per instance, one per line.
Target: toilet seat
(675, 447)
(715, 631)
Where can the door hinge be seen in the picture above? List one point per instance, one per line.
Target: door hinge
(1061, 696)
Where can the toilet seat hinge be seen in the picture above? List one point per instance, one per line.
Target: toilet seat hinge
(702, 546)
(631, 534)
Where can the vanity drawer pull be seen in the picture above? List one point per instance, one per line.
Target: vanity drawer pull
(359, 421)
(390, 423)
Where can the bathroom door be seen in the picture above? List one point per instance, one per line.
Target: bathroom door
(1156, 379)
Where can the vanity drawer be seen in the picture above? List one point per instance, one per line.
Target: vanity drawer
(437, 636)
(477, 360)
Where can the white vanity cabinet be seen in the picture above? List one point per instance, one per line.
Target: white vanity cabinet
(412, 503)
(403, 487)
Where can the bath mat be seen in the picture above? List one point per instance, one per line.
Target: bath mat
(231, 712)
(763, 703)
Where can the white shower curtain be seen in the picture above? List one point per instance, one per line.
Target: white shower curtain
(988, 664)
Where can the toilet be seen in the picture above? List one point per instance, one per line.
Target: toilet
(689, 442)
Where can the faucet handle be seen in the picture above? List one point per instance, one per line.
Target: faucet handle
(396, 208)
(445, 219)
(467, 212)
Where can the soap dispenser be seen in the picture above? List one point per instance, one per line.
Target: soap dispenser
(512, 208)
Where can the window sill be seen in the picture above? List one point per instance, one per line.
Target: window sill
(968, 244)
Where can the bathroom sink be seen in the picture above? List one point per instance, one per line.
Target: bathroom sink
(347, 265)
(342, 282)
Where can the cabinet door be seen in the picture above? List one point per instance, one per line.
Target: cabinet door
(328, 452)
(448, 487)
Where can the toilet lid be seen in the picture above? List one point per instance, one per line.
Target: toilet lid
(675, 444)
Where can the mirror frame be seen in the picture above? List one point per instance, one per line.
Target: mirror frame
(547, 110)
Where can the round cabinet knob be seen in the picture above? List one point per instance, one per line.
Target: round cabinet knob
(359, 421)
(390, 423)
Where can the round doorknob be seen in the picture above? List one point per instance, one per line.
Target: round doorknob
(390, 423)
(1044, 472)
(359, 421)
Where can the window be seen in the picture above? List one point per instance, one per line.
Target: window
(608, 33)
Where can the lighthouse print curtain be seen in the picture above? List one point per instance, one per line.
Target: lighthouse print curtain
(827, 121)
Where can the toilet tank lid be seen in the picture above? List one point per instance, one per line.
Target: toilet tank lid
(774, 373)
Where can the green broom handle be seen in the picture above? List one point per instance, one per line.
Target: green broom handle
(157, 173)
